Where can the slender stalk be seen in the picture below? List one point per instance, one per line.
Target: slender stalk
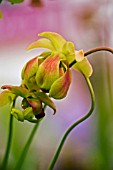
(26, 148)
(6, 157)
(51, 166)
(102, 48)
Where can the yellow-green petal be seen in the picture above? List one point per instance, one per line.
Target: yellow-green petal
(69, 51)
(18, 114)
(41, 43)
(84, 67)
(28, 113)
(57, 40)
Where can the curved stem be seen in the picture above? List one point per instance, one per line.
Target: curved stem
(26, 148)
(51, 166)
(5, 160)
(102, 48)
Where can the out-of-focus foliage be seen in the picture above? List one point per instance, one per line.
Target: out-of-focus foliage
(15, 1)
(1, 15)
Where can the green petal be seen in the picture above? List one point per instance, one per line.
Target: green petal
(69, 51)
(46, 99)
(17, 90)
(6, 97)
(84, 67)
(48, 72)
(60, 87)
(41, 43)
(28, 113)
(17, 114)
(57, 40)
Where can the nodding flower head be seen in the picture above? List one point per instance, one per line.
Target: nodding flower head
(50, 71)
(44, 76)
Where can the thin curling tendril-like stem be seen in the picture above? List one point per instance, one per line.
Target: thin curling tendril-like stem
(97, 49)
(52, 163)
(102, 48)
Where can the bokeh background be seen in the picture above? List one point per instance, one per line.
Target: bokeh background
(87, 23)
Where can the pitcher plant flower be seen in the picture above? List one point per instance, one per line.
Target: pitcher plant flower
(45, 77)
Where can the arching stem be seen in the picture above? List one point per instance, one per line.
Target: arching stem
(102, 48)
(55, 157)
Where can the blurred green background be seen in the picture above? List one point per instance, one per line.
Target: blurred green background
(87, 23)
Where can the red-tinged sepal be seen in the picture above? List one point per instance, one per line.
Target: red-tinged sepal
(46, 100)
(60, 87)
(48, 72)
(17, 90)
(36, 106)
(30, 68)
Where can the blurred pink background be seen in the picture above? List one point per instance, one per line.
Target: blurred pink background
(86, 23)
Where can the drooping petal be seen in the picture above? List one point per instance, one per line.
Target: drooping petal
(84, 67)
(57, 40)
(46, 99)
(48, 72)
(6, 97)
(79, 55)
(60, 87)
(17, 90)
(41, 43)
(30, 68)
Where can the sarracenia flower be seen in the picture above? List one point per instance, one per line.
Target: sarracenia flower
(50, 70)
(46, 75)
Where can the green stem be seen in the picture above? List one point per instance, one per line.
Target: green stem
(51, 166)
(26, 148)
(6, 157)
